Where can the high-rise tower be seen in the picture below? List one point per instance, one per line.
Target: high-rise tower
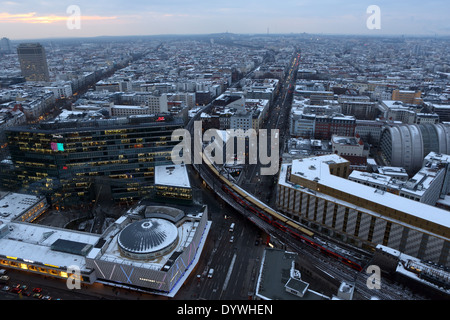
(33, 62)
(5, 45)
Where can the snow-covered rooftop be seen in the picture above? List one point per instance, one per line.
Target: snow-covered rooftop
(148, 235)
(316, 168)
(172, 175)
(408, 263)
(13, 205)
(185, 232)
(32, 243)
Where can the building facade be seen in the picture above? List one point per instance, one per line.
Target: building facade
(316, 192)
(407, 96)
(5, 45)
(61, 91)
(172, 183)
(442, 110)
(326, 126)
(302, 125)
(150, 248)
(359, 107)
(369, 130)
(68, 160)
(33, 62)
(428, 185)
(171, 242)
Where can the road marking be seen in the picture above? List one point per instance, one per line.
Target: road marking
(230, 269)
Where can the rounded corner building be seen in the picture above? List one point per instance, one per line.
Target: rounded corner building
(406, 145)
(153, 248)
(147, 239)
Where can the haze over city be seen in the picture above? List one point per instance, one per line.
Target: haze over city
(47, 19)
(194, 151)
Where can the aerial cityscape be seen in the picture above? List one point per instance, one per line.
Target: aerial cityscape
(261, 161)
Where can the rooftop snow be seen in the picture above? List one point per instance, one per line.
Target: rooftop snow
(34, 243)
(112, 252)
(172, 175)
(317, 167)
(13, 205)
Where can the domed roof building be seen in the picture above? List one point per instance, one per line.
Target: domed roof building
(147, 238)
(152, 247)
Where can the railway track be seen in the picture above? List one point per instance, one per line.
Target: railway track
(311, 248)
(334, 269)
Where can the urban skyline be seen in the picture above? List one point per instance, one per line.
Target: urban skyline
(165, 150)
(39, 20)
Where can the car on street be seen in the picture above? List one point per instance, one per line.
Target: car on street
(22, 287)
(16, 290)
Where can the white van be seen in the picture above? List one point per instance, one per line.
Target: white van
(231, 227)
(210, 273)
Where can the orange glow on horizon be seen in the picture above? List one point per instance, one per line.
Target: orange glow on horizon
(32, 17)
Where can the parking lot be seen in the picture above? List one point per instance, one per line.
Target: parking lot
(28, 286)
(22, 290)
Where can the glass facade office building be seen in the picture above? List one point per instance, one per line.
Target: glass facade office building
(74, 161)
(33, 62)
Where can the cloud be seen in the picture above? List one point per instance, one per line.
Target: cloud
(9, 3)
(33, 17)
(248, 16)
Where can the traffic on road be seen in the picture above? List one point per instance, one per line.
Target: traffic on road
(13, 289)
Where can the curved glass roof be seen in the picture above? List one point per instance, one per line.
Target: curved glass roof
(147, 235)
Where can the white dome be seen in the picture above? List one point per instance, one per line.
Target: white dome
(147, 237)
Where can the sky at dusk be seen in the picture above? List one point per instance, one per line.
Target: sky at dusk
(25, 19)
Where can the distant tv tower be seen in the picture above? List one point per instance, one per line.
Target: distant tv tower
(267, 30)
